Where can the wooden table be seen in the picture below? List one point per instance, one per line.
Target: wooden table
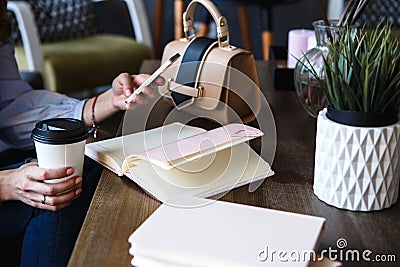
(119, 206)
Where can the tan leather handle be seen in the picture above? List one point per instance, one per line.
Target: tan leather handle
(220, 21)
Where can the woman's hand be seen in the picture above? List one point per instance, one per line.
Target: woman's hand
(113, 100)
(27, 185)
(124, 85)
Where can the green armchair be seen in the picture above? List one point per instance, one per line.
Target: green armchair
(72, 44)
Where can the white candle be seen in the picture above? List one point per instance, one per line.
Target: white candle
(299, 42)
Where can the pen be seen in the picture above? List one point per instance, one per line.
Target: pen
(153, 76)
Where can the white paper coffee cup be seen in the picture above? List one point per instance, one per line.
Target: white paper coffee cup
(59, 143)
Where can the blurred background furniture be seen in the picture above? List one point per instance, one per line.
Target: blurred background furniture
(79, 45)
(265, 12)
(299, 14)
(376, 11)
(335, 9)
(381, 10)
(159, 10)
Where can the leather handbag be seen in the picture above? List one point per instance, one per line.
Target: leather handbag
(212, 78)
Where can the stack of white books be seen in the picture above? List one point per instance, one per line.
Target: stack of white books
(216, 233)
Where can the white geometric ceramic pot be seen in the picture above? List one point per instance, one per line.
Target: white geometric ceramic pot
(356, 168)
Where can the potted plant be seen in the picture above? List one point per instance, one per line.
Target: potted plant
(326, 31)
(357, 142)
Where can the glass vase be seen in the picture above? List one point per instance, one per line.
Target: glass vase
(307, 87)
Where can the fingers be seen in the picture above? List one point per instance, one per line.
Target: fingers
(33, 179)
(32, 171)
(29, 186)
(50, 202)
(124, 85)
(123, 82)
(159, 81)
(51, 189)
(129, 83)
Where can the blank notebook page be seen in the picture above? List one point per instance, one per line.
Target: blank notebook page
(223, 234)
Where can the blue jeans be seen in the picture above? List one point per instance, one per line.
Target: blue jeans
(36, 237)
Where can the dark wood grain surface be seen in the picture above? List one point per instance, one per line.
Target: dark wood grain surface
(120, 206)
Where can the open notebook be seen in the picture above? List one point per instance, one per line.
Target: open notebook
(224, 234)
(177, 159)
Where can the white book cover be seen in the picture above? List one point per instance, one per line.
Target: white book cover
(224, 234)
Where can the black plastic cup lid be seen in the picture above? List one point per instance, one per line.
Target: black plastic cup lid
(59, 131)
